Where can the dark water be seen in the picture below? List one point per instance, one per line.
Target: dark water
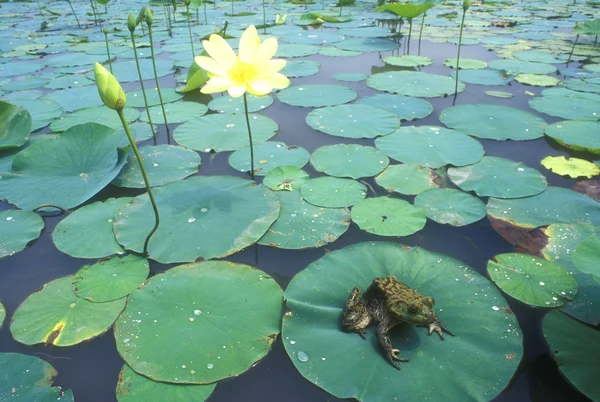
(91, 369)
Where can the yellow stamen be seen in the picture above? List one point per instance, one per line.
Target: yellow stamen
(242, 73)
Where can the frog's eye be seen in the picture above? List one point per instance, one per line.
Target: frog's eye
(413, 308)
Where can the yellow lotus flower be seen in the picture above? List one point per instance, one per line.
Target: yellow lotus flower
(252, 70)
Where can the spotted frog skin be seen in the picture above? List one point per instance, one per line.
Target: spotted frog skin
(388, 302)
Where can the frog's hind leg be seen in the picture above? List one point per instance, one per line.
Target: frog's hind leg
(391, 354)
(356, 317)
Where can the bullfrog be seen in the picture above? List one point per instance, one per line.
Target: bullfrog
(388, 302)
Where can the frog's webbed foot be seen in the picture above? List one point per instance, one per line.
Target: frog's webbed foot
(438, 327)
(391, 354)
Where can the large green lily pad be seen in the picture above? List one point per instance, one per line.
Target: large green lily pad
(55, 316)
(17, 229)
(493, 122)
(386, 216)
(349, 367)
(15, 125)
(228, 104)
(42, 111)
(408, 178)
(285, 178)
(414, 83)
(65, 171)
(303, 225)
(575, 348)
(353, 121)
(178, 112)
(110, 279)
(100, 114)
(587, 256)
(498, 177)
(567, 104)
(316, 95)
(405, 107)
(522, 67)
(579, 135)
(29, 378)
(133, 387)
(532, 280)
(213, 217)
(333, 192)
(430, 146)
(200, 323)
(512, 218)
(349, 160)
(267, 156)
(450, 206)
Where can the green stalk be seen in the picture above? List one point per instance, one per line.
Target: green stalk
(572, 49)
(146, 181)
(249, 136)
(232, 13)
(409, 33)
(137, 63)
(187, 7)
(205, 17)
(197, 18)
(264, 18)
(94, 11)
(341, 7)
(74, 14)
(40, 7)
(162, 104)
(462, 24)
(421, 32)
(107, 49)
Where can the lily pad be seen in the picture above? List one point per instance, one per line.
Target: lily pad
(522, 67)
(350, 77)
(163, 163)
(15, 125)
(408, 61)
(572, 167)
(136, 98)
(227, 213)
(575, 349)
(316, 95)
(55, 316)
(414, 83)
(568, 104)
(101, 115)
(2, 314)
(349, 367)
(43, 111)
(472, 64)
(29, 378)
(333, 192)
(587, 255)
(17, 229)
(178, 112)
(532, 280)
(88, 231)
(579, 135)
(300, 68)
(302, 225)
(65, 171)
(430, 146)
(179, 328)
(133, 387)
(537, 80)
(367, 45)
(483, 77)
(110, 279)
(285, 178)
(498, 177)
(407, 178)
(349, 160)
(353, 121)
(223, 132)
(451, 207)
(267, 156)
(499, 94)
(405, 107)
(386, 216)
(227, 104)
(493, 122)
(512, 218)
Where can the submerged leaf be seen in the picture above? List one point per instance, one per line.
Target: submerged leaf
(572, 167)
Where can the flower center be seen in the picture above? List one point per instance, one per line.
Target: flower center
(242, 72)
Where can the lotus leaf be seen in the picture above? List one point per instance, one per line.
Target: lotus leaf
(267, 156)
(367, 45)
(349, 160)
(349, 367)
(408, 61)
(579, 135)
(449, 206)
(522, 67)
(43, 111)
(353, 121)
(65, 171)
(74, 99)
(178, 112)
(568, 104)
(178, 327)
(464, 63)
(537, 80)
(101, 115)
(572, 167)
(409, 179)
(333, 192)
(227, 104)
(405, 107)
(483, 77)
(15, 125)
(55, 316)
(414, 83)
(386, 216)
(316, 95)
(2, 314)
(136, 98)
(499, 94)
(287, 178)
(536, 57)
(587, 255)
(296, 50)
(406, 10)
(17, 229)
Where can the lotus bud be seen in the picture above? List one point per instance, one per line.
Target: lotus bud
(141, 15)
(466, 4)
(148, 17)
(105, 30)
(109, 88)
(131, 22)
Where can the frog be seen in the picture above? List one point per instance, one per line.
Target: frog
(388, 302)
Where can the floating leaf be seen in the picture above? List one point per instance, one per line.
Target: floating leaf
(532, 280)
(385, 216)
(406, 10)
(316, 95)
(449, 206)
(408, 61)
(353, 121)
(483, 77)
(333, 192)
(572, 167)
(180, 328)
(522, 67)
(472, 64)
(578, 135)
(567, 104)
(303, 225)
(499, 94)
(537, 80)
(136, 98)
(43, 111)
(267, 156)
(178, 112)
(587, 255)
(17, 229)
(228, 104)
(196, 77)
(55, 316)
(287, 178)
(300, 68)
(409, 179)
(110, 279)
(575, 348)
(349, 367)
(405, 107)
(15, 125)
(414, 83)
(100, 114)
(2, 314)
(349, 160)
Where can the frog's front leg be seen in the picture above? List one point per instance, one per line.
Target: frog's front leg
(356, 316)
(391, 354)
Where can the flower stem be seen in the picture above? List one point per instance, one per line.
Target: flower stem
(205, 17)
(421, 32)
(74, 14)
(249, 136)
(409, 34)
(137, 63)
(108, 51)
(462, 24)
(146, 181)
(187, 8)
(94, 11)
(264, 18)
(572, 49)
(162, 105)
